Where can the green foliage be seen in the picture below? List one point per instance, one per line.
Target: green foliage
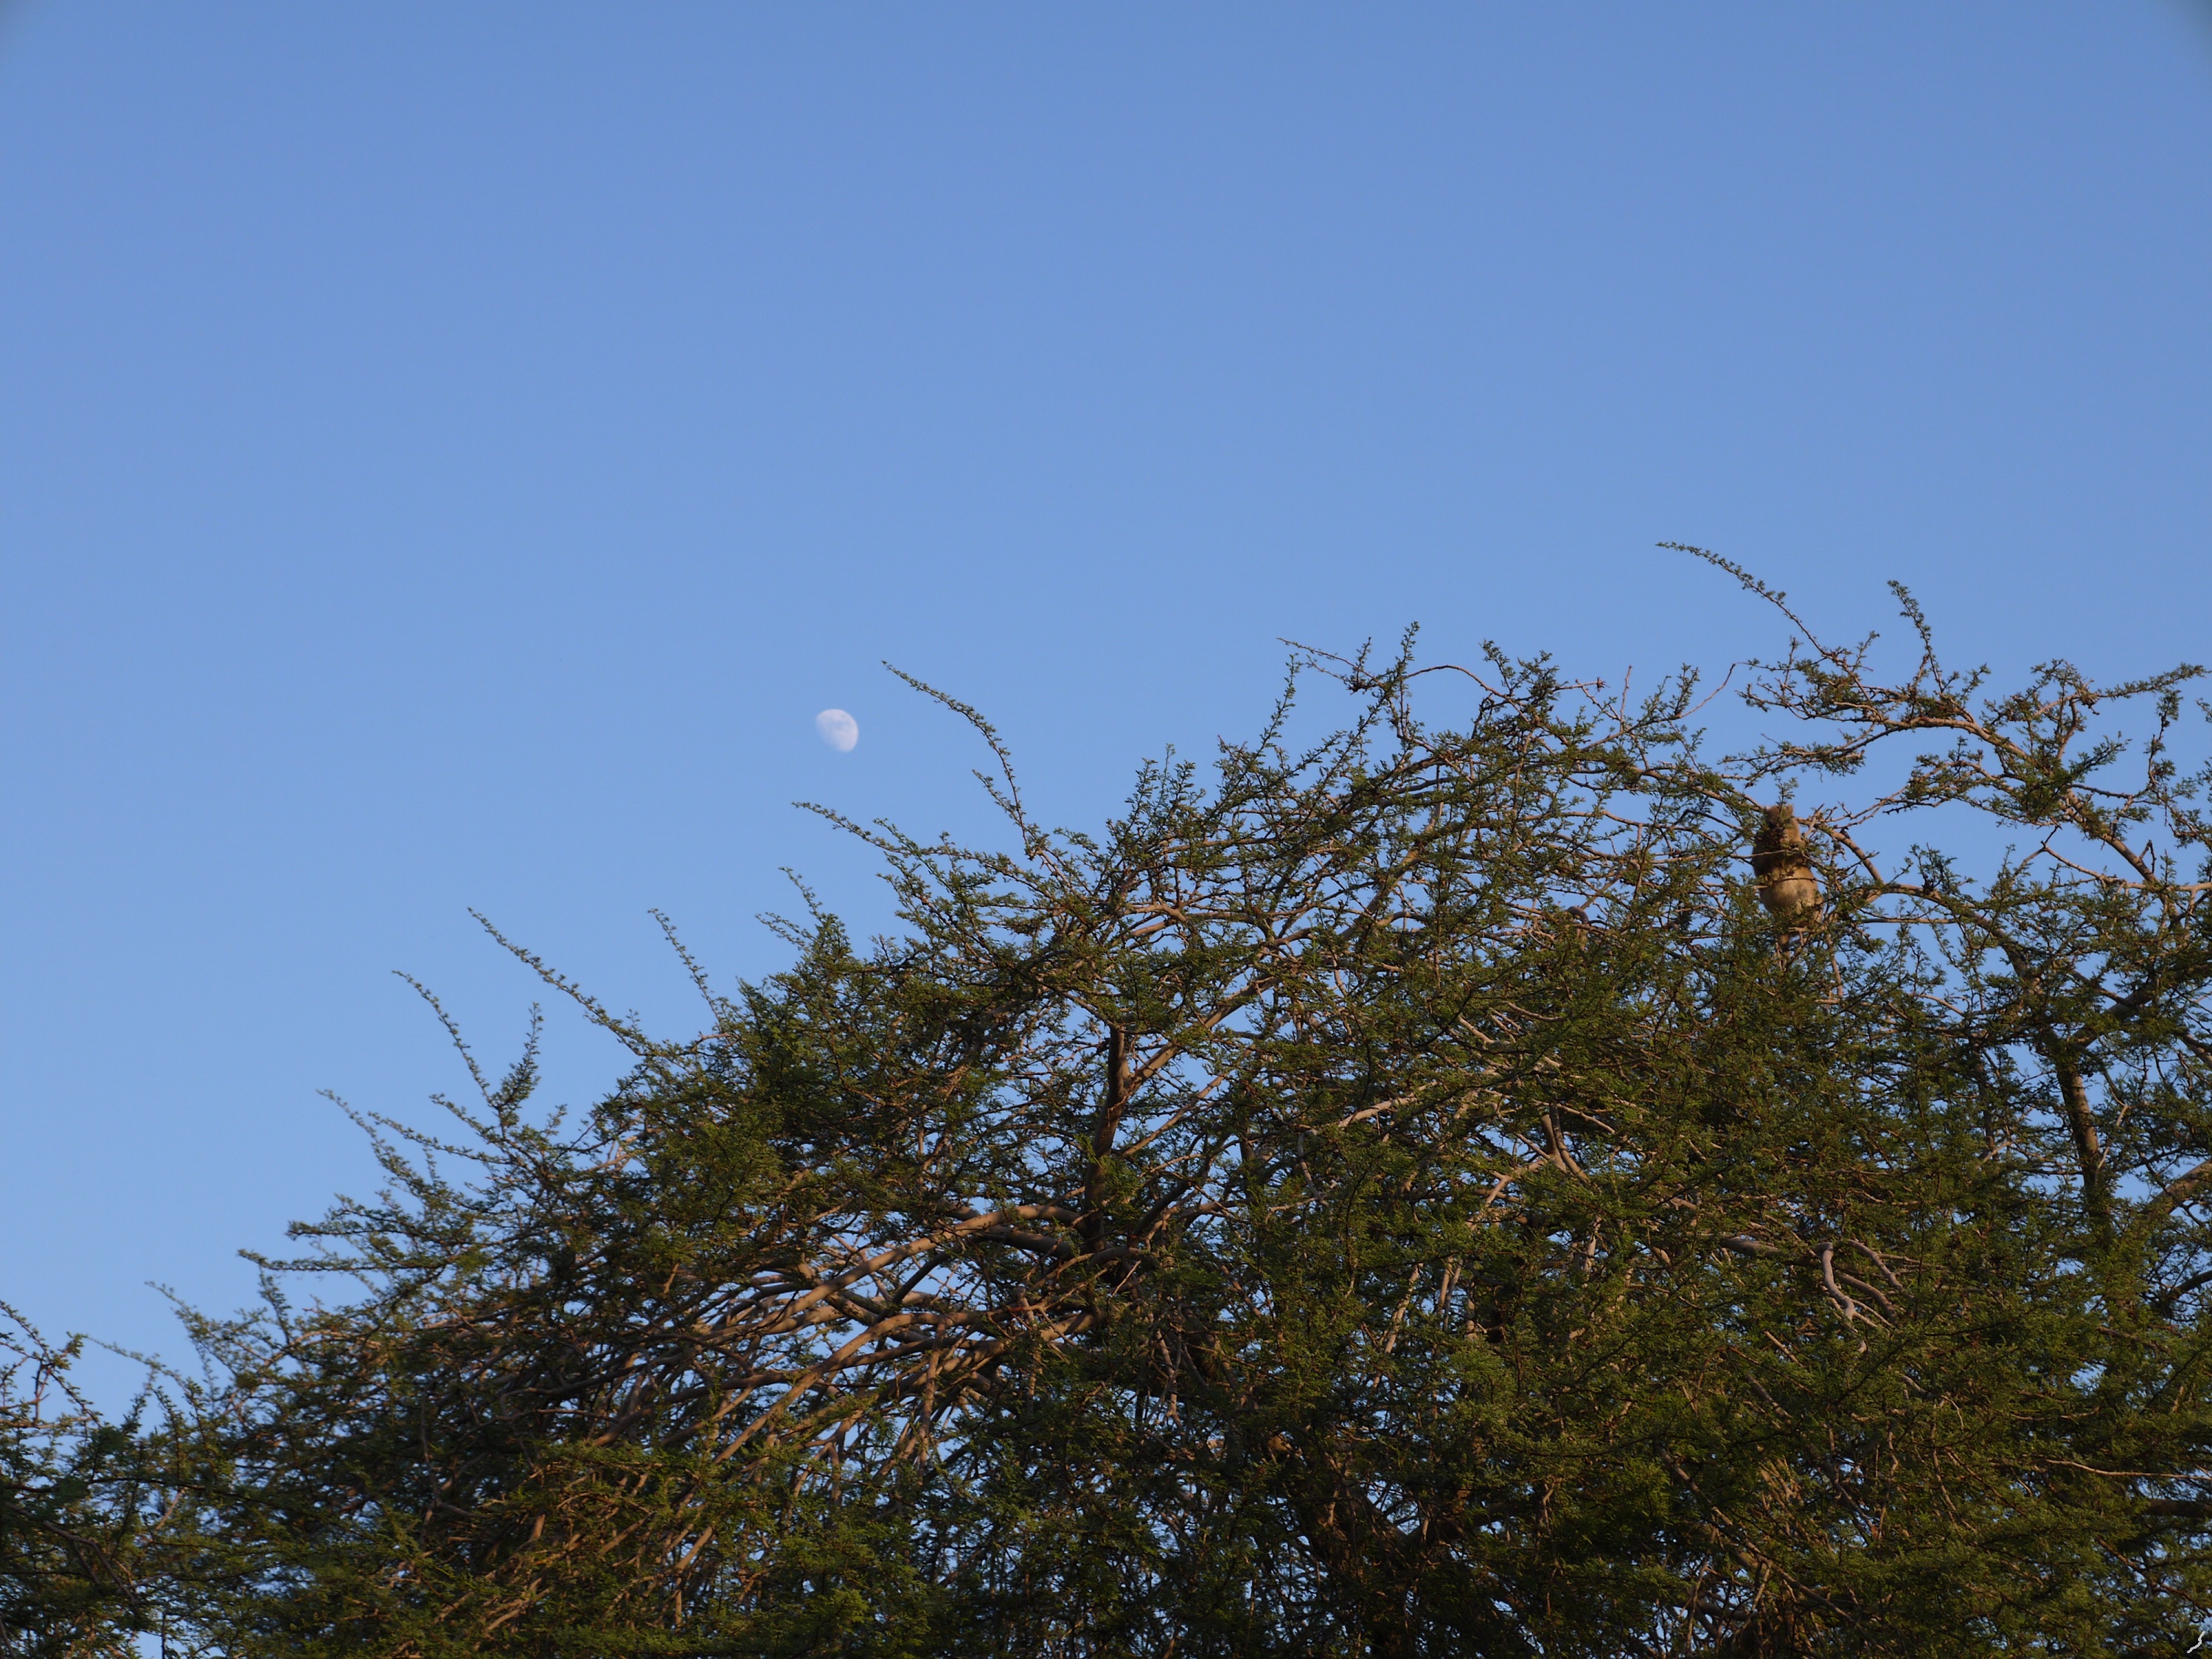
(1399, 1197)
(73, 1523)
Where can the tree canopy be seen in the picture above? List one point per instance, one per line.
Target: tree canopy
(1400, 1195)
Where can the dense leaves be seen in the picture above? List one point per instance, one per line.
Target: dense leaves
(1401, 1196)
(74, 1516)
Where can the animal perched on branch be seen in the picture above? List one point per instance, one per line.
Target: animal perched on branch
(1787, 885)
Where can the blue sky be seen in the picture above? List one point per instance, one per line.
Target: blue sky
(449, 454)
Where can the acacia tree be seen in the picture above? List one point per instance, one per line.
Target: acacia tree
(75, 1519)
(1403, 1195)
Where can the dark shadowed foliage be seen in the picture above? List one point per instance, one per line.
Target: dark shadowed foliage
(76, 1512)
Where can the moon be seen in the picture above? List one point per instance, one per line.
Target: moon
(838, 729)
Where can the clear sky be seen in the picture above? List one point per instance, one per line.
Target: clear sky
(449, 454)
